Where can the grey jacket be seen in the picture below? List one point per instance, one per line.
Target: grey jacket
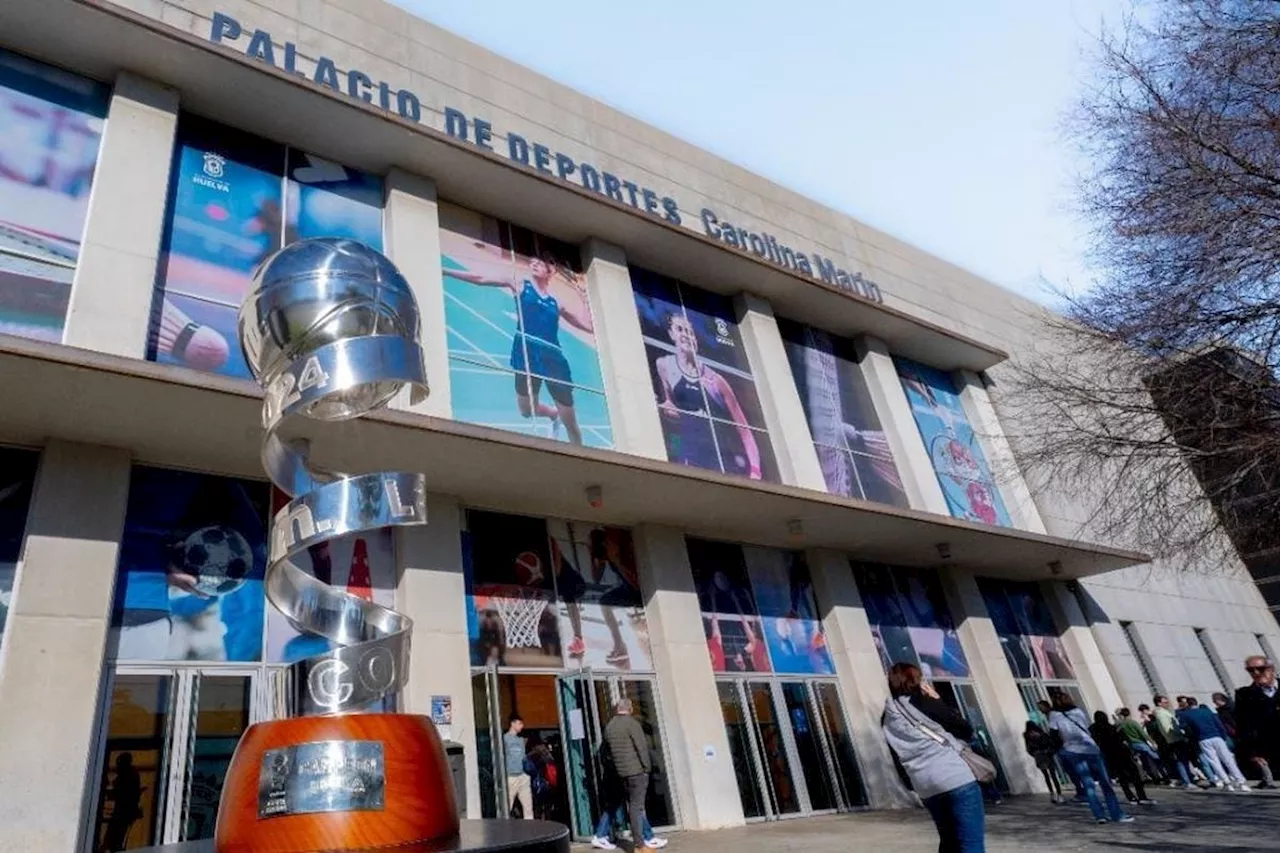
(628, 747)
(933, 768)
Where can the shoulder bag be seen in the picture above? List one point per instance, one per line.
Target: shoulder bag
(983, 770)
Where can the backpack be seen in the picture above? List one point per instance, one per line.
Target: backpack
(551, 774)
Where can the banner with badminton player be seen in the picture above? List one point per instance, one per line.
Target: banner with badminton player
(910, 620)
(601, 610)
(522, 347)
(510, 587)
(50, 131)
(235, 199)
(788, 611)
(730, 619)
(189, 583)
(702, 383)
(851, 445)
(957, 457)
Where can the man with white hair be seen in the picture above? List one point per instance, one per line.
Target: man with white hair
(629, 748)
(1258, 715)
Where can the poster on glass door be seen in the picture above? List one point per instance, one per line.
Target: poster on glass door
(788, 611)
(601, 611)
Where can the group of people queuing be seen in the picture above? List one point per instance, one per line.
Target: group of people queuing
(624, 766)
(1179, 743)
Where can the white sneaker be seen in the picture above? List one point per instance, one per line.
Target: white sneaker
(1219, 784)
(602, 843)
(656, 843)
(1244, 788)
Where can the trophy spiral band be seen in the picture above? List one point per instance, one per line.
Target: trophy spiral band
(331, 333)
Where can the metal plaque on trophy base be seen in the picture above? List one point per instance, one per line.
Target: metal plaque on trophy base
(330, 331)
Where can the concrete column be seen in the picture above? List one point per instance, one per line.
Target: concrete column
(432, 593)
(890, 401)
(705, 788)
(1099, 688)
(862, 680)
(783, 411)
(52, 658)
(411, 232)
(976, 403)
(114, 283)
(627, 385)
(992, 678)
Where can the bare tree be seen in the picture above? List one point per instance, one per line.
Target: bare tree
(1156, 390)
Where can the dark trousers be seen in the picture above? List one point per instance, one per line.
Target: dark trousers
(960, 819)
(636, 786)
(1128, 775)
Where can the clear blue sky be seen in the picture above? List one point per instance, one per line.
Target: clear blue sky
(941, 122)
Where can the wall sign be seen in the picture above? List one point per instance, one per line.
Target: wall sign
(532, 154)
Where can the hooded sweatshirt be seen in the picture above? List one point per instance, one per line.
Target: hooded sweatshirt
(933, 768)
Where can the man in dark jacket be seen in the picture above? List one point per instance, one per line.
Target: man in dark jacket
(1258, 715)
(629, 749)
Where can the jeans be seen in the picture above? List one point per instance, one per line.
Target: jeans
(1222, 763)
(616, 816)
(1091, 768)
(1176, 765)
(1150, 760)
(960, 819)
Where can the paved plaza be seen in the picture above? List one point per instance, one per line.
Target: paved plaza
(1181, 822)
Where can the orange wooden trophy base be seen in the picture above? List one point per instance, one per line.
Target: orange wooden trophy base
(417, 802)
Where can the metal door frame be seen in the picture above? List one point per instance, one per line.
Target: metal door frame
(584, 679)
(780, 713)
(489, 678)
(819, 721)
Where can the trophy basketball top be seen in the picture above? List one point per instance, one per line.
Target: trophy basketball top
(327, 293)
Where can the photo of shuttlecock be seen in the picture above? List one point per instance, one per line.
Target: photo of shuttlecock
(189, 342)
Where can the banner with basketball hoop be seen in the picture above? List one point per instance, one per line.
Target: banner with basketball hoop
(953, 448)
(190, 573)
(553, 594)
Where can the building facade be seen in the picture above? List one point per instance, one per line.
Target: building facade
(692, 439)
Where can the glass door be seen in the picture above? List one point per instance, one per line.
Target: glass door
(742, 749)
(580, 721)
(839, 740)
(489, 728)
(659, 805)
(811, 752)
(167, 742)
(769, 734)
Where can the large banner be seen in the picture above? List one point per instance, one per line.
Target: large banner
(852, 448)
(910, 620)
(953, 448)
(1025, 626)
(51, 125)
(235, 199)
(191, 565)
(706, 396)
(522, 346)
(553, 594)
(17, 480)
(789, 611)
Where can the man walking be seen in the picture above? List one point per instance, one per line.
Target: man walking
(519, 785)
(1258, 716)
(629, 749)
(1205, 728)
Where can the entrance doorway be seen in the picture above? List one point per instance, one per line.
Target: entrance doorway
(791, 747)
(166, 747)
(566, 713)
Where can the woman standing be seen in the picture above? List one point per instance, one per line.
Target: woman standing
(1081, 751)
(1040, 746)
(927, 736)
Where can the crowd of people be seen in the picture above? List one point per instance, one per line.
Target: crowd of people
(1180, 743)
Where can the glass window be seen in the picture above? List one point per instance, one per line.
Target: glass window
(710, 412)
(851, 445)
(17, 479)
(1021, 617)
(957, 457)
(910, 620)
(553, 594)
(191, 564)
(522, 346)
(233, 200)
(50, 129)
(131, 802)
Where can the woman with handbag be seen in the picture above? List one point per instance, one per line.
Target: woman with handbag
(930, 741)
(1083, 753)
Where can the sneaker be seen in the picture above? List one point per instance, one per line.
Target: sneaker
(577, 648)
(1146, 802)
(1102, 820)
(1244, 788)
(1126, 819)
(656, 843)
(601, 843)
(1219, 784)
(618, 658)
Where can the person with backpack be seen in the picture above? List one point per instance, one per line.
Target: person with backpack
(928, 738)
(1141, 745)
(1119, 758)
(1044, 751)
(1079, 748)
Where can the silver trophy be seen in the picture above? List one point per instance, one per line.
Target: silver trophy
(330, 332)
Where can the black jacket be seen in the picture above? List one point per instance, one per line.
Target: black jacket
(944, 715)
(1258, 721)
